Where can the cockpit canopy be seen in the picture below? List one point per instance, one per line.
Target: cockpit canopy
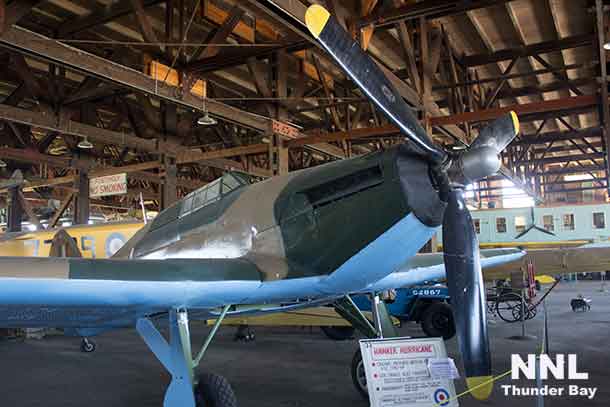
(212, 192)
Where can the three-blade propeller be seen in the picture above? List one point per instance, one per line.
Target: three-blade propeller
(454, 170)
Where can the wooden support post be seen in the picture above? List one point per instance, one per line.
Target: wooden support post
(278, 154)
(169, 191)
(15, 211)
(281, 88)
(81, 204)
(605, 119)
(29, 210)
(426, 80)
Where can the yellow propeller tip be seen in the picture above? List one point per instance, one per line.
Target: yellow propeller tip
(316, 17)
(513, 115)
(480, 386)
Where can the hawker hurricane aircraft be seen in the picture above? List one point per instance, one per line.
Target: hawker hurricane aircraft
(310, 237)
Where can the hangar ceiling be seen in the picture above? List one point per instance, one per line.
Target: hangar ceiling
(134, 77)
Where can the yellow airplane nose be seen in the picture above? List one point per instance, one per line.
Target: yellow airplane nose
(480, 386)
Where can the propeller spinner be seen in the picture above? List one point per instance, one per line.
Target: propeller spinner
(452, 171)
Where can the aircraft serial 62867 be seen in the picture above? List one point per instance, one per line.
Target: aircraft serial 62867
(310, 237)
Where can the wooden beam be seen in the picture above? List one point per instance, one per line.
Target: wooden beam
(16, 11)
(220, 35)
(60, 211)
(187, 157)
(563, 158)
(547, 137)
(481, 115)
(30, 185)
(408, 50)
(534, 107)
(146, 28)
(34, 157)
(101, 15)
(528, 50)
(430, 9)
(64, 125)
(102, 172)
(342, 135)
(90, 64)
(329, 97)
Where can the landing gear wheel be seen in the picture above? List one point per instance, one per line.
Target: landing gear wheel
(87, 345)
(339, 333)
(438, 321)
(359, 375)
(214, 391)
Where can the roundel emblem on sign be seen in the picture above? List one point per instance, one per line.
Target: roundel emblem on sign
(441, 397)
(114, 242)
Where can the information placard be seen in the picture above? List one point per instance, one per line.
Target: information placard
(399, 372)
(108, 185)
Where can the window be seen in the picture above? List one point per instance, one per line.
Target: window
(548, 223)
(599, 220)
(477, 225)
(568, 221)
(520, 224)
(501, 225)
(212, 192)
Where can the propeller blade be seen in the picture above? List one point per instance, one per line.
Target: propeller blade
(482, 158)
(467, 293)
(524, 232)
(369, 78)
(499, 133)
(543, 230)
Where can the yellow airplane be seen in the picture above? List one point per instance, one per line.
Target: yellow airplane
(93, 241)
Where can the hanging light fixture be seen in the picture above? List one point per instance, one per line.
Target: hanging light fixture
(85, 144)
(3, 164)
(607, 45)
(206, 119)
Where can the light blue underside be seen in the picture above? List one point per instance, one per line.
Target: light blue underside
(92, 303)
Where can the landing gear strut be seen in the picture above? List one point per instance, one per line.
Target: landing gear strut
(186, 390)
(383, 328)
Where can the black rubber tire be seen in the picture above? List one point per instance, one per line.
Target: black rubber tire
(339, 333)
(358, 375)
(437, 320)
(214, 391)
(87, 346)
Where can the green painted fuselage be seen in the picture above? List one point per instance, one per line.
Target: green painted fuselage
(306, 223)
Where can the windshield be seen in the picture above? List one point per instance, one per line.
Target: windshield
(212, 192)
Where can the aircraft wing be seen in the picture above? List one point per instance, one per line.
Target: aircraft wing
(79, 292)
(111, 293)
(588, 258)
(430, 267)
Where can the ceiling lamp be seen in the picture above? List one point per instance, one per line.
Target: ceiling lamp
(607, 45)
(3, 164)
(206, 119)
(85, 144)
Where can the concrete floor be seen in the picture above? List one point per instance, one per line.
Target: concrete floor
(284, 367)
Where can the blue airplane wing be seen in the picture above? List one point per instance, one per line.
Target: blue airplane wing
(77, 292)
(430, 267)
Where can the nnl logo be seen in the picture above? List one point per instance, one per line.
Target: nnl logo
(556, 368)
